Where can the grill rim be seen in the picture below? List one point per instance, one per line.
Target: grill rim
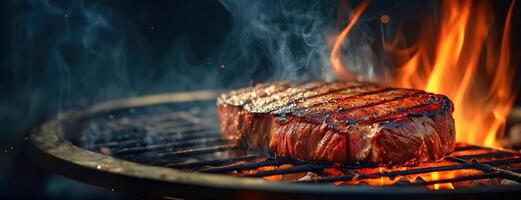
(52, 151)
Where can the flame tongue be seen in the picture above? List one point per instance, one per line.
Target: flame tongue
(482, 97)
(335, 59)
(466, 63)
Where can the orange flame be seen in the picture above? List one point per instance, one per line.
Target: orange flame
(436, 176)
(466, 63)
(413, 178)
(335, 59)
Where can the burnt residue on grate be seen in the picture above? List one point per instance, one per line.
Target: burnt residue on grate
(182, 140)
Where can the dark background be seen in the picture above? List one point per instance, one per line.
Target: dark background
(61, 55)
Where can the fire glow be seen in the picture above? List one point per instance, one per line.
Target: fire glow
(382, 175)
(467, 62)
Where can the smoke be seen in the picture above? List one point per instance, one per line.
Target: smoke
(76, 53)
(281, 40)
(287, 36)
(64, 55)
(70, 54)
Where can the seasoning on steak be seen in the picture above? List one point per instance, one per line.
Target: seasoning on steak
(340, 122)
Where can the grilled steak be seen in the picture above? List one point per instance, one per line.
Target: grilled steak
(340, 122)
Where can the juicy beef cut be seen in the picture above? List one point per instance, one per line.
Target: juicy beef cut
(340, 122)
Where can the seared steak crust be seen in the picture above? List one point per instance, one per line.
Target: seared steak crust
(340, 122)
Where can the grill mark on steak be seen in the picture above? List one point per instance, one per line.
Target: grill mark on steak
(347, 105)
(326, 89)
(336, 98)
(286, 100)
(432, 108)
(386, 100)
(398, 108)
(302, 103)
(258, 103)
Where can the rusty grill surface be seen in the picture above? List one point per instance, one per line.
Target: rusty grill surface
(185, 137)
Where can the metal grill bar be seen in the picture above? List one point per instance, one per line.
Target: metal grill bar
(268, 162)
(469, 147)
(503, 161)
(459, 179)
(159, 139)
(489, 168)
(485, 155)
(389, 174)
(211, 140)
(198, 151)
(296, 169)
(218, 162)
(137, 132)
(180, 137)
